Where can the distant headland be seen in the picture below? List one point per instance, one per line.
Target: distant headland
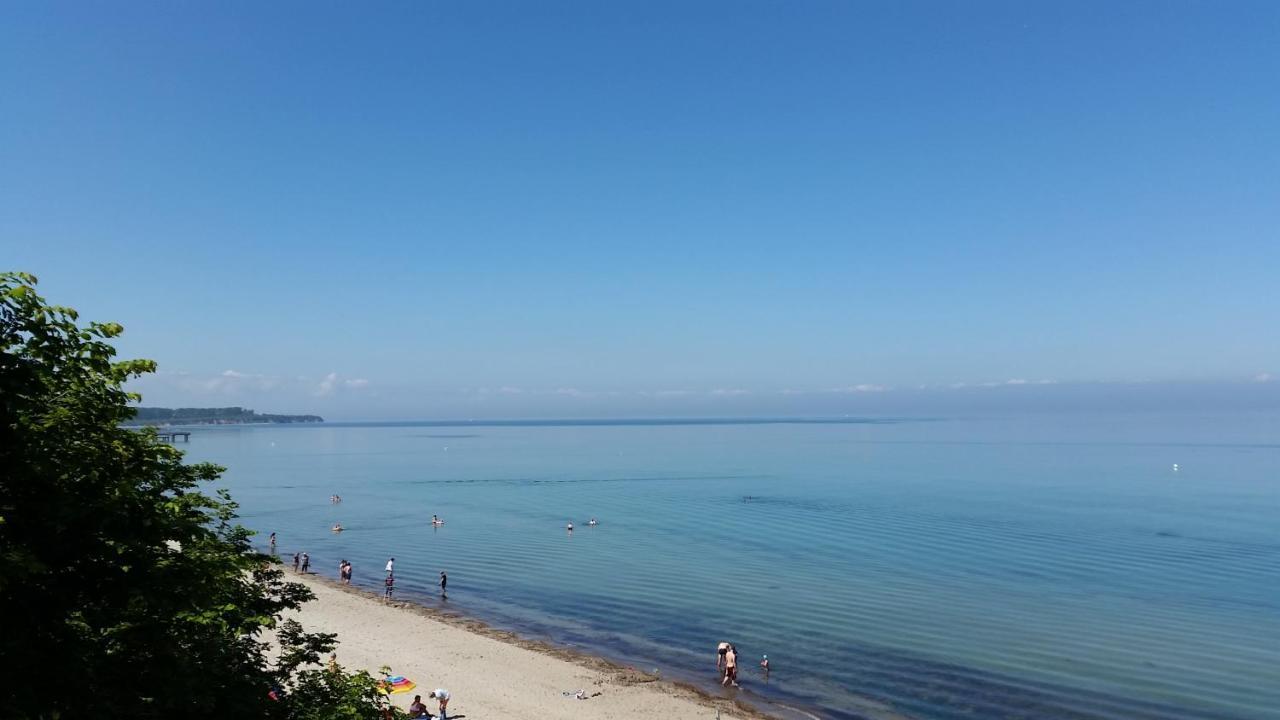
(211, 416)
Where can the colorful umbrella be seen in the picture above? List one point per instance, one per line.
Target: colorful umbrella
(396, 684)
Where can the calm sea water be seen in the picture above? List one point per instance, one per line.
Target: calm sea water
(943, 568)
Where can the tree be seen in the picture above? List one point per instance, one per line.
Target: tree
(126, 591)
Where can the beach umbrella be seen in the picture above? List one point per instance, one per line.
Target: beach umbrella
(396, 684)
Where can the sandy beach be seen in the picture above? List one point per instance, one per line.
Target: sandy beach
(490, 673)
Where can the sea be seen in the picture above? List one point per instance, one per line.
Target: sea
(1071, 566)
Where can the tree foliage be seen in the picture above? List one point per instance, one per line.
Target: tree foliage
(127, 591)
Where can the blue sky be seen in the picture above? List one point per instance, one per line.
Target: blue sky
(430, 209)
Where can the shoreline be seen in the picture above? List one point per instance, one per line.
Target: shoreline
(409, 637)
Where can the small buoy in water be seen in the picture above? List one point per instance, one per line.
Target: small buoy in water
(1175, 467)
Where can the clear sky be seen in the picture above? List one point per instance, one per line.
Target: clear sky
(445, 209)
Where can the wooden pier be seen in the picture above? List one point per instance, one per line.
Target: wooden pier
(173, 435)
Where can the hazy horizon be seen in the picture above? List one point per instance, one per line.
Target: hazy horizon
(603, 210)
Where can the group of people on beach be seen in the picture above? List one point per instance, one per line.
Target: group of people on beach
(301, 563)
(418, 710)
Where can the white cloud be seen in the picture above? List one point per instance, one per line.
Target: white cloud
(860, 388)
(1263, 377)
(325, 388)
(729, 392)
(1007, 383)
(356, 383)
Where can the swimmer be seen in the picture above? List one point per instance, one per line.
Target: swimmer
(435, 520)
(764, 664)
(336, 527)
(593, 522)
(569, 527)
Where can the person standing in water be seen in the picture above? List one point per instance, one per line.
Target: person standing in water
(391, 567)
(730, 667)
(444, 584)
(721, 650)
(297, 558)
(272, 540)
(389, 586)
(306, 563)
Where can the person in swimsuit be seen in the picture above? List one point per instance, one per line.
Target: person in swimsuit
(389, 586)
(721, 649)
(730, 667)
(273, 541)
(297, 558)
(444, 584)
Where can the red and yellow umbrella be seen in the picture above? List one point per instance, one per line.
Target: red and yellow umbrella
(396, 684)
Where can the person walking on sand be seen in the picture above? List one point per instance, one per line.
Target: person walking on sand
(306, 563)
(391, 567)
(297, 558)
(442, 696)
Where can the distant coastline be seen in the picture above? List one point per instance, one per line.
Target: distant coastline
(212, 416)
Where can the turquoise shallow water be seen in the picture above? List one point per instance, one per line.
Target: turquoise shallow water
(943, 568)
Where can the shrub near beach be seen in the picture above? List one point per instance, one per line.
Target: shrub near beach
(127, 590)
